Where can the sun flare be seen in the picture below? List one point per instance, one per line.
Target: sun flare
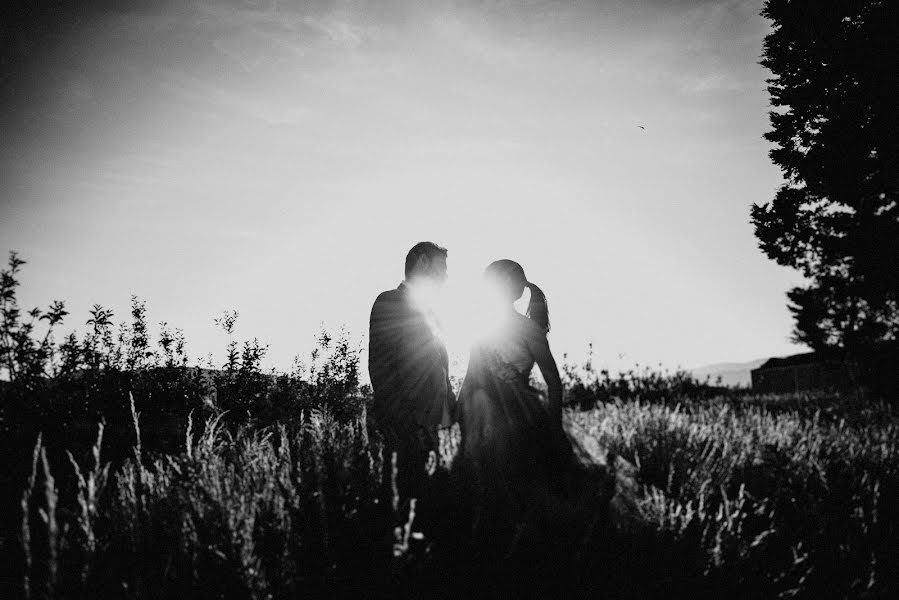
(469, 311)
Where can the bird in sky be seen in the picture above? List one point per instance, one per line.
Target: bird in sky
(641, 127)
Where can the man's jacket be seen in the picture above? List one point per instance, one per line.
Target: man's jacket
(408, 366)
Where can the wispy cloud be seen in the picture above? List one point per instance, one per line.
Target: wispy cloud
(715, 83)
(337, 28)
(215, 100)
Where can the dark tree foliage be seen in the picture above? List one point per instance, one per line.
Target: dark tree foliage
(836, 136)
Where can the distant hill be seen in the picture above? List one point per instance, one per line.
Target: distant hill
(732, 374)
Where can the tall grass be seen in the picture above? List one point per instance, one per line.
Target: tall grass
(255, 514)
(773, 504)
(742, 503)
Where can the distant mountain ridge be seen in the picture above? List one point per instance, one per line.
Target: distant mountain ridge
(731, 373)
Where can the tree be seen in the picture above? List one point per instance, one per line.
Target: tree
(836, 135)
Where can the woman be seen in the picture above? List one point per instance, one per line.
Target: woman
(529, 483)
(544, 506)
(513, 445)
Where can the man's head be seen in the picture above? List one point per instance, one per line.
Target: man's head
(426, 261)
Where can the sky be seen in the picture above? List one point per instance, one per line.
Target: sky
(281, 158)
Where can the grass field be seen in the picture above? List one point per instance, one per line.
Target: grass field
(734, 500)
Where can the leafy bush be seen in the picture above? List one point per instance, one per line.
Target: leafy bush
(90, 377)
(586, 388)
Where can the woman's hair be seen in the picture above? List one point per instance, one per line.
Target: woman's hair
(510, 273)
(538, 310)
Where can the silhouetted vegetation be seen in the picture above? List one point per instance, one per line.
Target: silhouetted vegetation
(586, 388)
(836, 219)
(132, 472)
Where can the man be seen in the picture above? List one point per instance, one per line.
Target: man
(409, 368)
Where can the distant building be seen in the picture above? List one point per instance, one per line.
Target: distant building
(797, 373)
(875, 369)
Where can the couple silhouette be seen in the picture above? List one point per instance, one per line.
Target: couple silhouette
(513, 448)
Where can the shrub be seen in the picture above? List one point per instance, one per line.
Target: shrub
(586, 388)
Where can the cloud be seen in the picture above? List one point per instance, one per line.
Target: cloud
(713, 83)
(214, 100)
(337, 28)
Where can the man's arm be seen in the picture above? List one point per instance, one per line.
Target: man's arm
(387, 333)
(423, 371)
(379, 353)
(399, 367)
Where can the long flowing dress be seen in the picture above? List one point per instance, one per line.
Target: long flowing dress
(511, 449)
(535, 489)
(547, 505)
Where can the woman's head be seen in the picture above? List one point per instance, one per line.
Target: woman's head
(509, 281)
(507, 277)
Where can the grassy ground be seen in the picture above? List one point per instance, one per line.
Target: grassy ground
(733, 499)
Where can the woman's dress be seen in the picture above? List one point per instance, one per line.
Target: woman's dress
(511, 449)
(534, 490)
(540, 498)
